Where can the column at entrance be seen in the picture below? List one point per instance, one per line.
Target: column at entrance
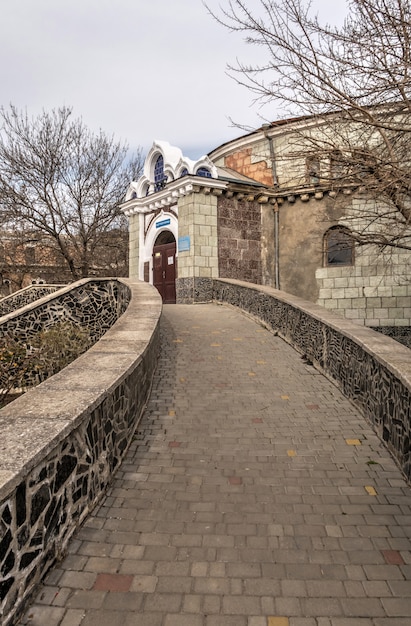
(198, 254)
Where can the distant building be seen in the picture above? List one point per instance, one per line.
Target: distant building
(33, 258)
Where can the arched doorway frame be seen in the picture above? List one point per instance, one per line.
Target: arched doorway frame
(146, 256)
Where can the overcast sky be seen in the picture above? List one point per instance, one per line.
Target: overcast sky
(138, 69)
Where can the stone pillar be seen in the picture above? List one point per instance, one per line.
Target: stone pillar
(198, 258)
(134, 234)
(267, 244)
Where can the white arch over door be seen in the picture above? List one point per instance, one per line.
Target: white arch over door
(164, 222)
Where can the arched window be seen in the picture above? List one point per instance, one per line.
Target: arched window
(203, 171)
(312, 164)
(159, 177)
(338, 247)
(183, 172)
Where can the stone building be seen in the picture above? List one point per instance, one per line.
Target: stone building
(261, 208)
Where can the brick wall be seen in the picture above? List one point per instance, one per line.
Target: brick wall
(248, 164)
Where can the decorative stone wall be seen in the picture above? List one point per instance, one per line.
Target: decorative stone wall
(194, 290)
(372, 370)
(94, 304)
(402, 334)
(62, 441)
(25, 296)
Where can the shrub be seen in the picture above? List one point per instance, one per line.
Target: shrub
(58, 346)
(24, 364)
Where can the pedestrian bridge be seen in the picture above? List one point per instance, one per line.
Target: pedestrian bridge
(264, 485)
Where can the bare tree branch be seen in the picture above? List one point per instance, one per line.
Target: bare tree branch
(60, 179)
(352, 85)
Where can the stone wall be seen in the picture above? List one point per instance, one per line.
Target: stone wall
(62, 441)
(372, 370)
(239, 239)
(376, 291)
(25, 296)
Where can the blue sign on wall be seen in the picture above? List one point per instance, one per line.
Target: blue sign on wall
(163, 223)
(183, 244)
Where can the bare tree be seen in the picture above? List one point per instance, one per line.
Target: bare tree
(352, 86)
(60, 179)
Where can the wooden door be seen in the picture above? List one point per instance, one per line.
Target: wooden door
(164, 271)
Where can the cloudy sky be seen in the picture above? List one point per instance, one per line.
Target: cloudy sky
(138, 69)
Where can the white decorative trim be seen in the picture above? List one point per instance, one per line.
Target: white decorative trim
(147, 242)
(174, 190)
(174, 165)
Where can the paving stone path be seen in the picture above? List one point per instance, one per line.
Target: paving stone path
(253, 494)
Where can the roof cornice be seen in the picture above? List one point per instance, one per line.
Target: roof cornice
(176, 189)
(172, 192)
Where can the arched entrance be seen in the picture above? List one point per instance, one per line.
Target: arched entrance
(164, 266)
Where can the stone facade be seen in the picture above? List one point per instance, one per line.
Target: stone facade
(375, 290)
(62, 441)
(260, 211)
(366, 297)
(372, 370)
(214, 216)
(239, 239)
(197, 220)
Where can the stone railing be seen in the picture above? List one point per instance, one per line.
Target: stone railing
(25, 296)
(61, 442)
(372, 370)
(94, 304)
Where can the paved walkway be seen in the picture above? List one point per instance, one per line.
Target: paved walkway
(253, 495)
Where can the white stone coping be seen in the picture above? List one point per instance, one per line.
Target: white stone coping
(35, 423)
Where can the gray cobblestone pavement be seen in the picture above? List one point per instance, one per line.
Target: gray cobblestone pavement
(253, 494)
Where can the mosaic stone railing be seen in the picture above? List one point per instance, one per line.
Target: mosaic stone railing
(402, 334)
(61, 442)
(25, 296)
(372, 370)
(93, 304)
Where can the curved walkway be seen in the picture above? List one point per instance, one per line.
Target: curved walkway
(254, 494)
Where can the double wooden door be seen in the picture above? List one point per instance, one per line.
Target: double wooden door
(164, 271)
